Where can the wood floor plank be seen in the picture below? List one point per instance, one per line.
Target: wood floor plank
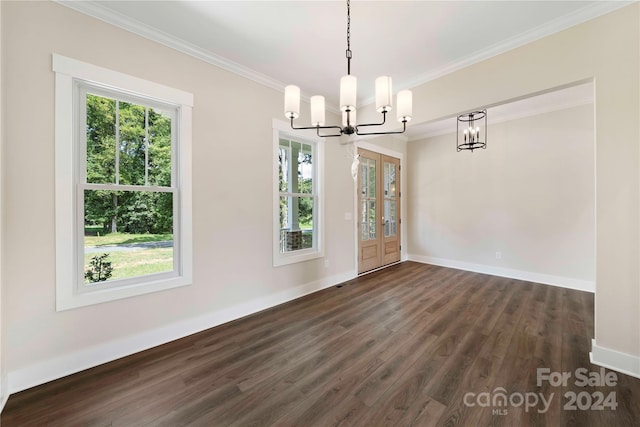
(404, 346)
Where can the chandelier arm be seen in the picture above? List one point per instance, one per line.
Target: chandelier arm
(404, 128)
(331, 134)
(317, 128)
(384, 120)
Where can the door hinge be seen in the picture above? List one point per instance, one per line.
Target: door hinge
(400, 221)
(400, 247)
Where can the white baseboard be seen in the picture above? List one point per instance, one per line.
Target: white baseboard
(3, 401)
(547, 279)
(49, 370)
(624, 363)
(4, 394)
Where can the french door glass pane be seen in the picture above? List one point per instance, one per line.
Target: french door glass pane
(364, 223)
(387, 218)
(127, 234)
(368, 221)
(386, 179)
(393, 219)
(390, 180)
(390, 220)
(372, 178)
(364, 185)
(372, 219)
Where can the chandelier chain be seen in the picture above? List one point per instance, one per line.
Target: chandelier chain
(349, 54)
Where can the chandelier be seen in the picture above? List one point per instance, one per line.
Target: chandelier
(468, 135)
(348, 93)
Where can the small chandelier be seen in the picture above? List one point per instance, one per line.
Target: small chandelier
(468, 134)
(348, 95)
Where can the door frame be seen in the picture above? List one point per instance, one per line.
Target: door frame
(403, 200)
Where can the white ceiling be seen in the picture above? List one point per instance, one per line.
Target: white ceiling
(304, 42)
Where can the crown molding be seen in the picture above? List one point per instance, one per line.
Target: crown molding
(559, 24)
(107, 15)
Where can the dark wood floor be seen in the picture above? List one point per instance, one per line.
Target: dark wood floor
(403, 346)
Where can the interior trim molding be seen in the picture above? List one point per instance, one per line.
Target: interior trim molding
(3, 401)
(529, 276)
(49, 370)
(624, 363)
(559, 24)
(494, 119)
(103, 13)
(127, 23)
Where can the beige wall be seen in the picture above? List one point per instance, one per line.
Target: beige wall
(607, 50)
(232, 199)
(232, 223)
(530, 196)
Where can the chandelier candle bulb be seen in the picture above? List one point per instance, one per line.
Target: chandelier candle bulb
(317, 110)
(348, 91)
(404, 105)
(383, 93)
(292, 102)
(352, 118)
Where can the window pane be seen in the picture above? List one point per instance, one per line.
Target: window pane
(101, 140)
(296, 223)
(159, 159)
(133, 228)
(283, 167)
(132, 144)
(136, 163)
(305, 168)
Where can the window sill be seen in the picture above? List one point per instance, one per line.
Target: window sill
(280, 259)
(66, 299)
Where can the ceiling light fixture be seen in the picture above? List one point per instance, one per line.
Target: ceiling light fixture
(468, 135)
(348, 93)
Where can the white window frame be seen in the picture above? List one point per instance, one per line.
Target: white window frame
(70, 77)
(282, 129)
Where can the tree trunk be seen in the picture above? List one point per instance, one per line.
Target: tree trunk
(114, 218)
